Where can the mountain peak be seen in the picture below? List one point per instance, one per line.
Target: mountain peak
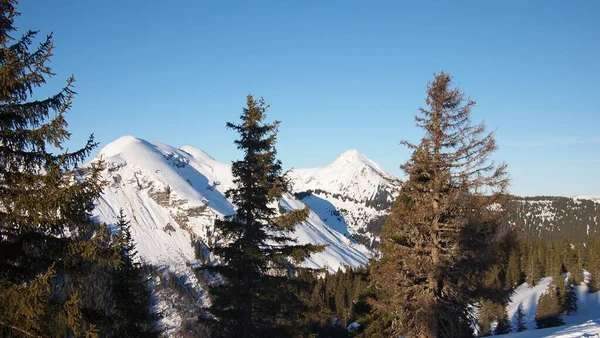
(350, 155)
(197, 152)
(119, 145)
(354, 159)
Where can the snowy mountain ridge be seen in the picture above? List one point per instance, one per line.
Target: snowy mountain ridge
(349, 194)
(174, 195)
(171, 197)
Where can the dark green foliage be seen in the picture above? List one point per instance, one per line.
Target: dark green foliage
(48, 244)
(133, 314)
(548, 312)
(257, 297)
(520, 319)
(487, 315)
(569, 299)
(514, 275)
(535, 268)
(503, 325)
(336, 300)
(577, 270)
(593, 283)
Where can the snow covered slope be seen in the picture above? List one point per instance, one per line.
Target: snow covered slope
(349, 194)
(584, 323)
(173, 195)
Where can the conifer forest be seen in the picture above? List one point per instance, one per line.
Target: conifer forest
(136, 238)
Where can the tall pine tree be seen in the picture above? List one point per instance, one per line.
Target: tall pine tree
(548, 312)
(133, 312)
(520, 319)
(47, 240)
(258, 255)
(441, 234)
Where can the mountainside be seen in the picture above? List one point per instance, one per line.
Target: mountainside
(352, 195)
(172, 197)
(553, 217)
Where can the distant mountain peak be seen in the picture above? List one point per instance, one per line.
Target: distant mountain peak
(119, 145)
(350, 155)
(353, 159)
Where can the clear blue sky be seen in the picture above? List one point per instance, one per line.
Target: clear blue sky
(339, 74)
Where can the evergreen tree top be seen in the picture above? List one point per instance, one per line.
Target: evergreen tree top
(47, 240)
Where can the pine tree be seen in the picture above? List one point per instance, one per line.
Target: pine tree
(577, 274)
(513, 273)
(592, 263)
(486, 316)
(569, 305)
(569, 258)
(555, 266)
(442, 232)
(47, 241)
(593, 254)
(258, 255)
(503, 325)
(520, 320)
(534, 267)
(133, 315)
(548, 312)
(593, 282)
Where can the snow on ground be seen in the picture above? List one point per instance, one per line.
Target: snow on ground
(584, 323)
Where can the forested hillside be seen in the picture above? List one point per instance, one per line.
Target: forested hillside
(551, 217)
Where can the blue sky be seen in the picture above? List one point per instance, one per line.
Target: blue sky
(339, 74)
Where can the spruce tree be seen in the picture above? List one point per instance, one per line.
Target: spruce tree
(569, 259)
(133, 314)
(513, 273)
(47, 241)
(593, 282)
(569, 300)
(592, 263)
(486, 316)
(258, 255)
(503, 325)
(442, 233)
(520, 319)
(555, 264)
(534, 269)
(548, 313)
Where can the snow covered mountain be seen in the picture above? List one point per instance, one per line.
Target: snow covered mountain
(172, 197)
(351, 195)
